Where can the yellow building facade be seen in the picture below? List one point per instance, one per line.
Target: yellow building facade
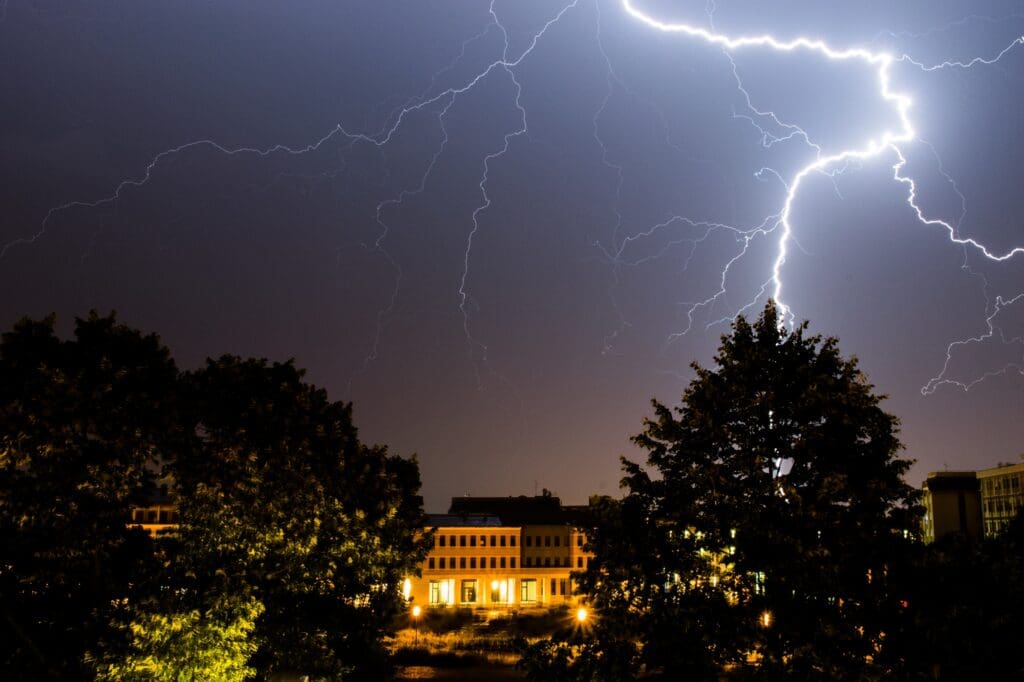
(487, 561)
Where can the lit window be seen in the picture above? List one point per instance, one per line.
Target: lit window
(528, 590)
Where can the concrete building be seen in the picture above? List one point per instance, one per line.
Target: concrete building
(952, 504)
(1001, 496)
(501, 552)
(974, 503)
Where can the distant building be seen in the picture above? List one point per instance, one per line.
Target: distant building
(501, 552)
(1001, 496)
(155, 518)
(952, 504)
(974, 503)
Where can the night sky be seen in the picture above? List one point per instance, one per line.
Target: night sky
(501, 233)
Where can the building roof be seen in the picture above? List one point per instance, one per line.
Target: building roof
(463, 521)
(518, 511)
(951, 480)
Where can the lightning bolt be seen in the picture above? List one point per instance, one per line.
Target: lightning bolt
(436, 101)
(885, 141)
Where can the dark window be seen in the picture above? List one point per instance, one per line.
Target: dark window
(494, 541)
(547, 561)
(483, 540)
(138, 515)
(513, 560)
(562, 586)
(152, 516)
(553, 586)
(529, 541)
(502, 540)
(442, 540)
(430, 562)
(451, 540)
(547, 540)
(462, 541)
(503, 562)
(462, 562)
(164, 518)
(579, 562)
(558, 541)
(512, 540)
(440, 562)
(579, 540)
(472, 541)
(472, 562)
(494, 562)
(526, 561)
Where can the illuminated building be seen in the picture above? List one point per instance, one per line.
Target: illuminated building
(974, 503)
(502, 552)
(1001, 496)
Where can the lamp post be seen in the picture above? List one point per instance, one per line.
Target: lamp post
(416, 613)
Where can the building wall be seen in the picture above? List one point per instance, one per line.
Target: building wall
(1002, 496)
(511, 572)
(952, 504)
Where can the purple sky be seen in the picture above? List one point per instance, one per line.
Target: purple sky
(351, 184)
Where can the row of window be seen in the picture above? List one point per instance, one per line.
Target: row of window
(450, 562)
(1002, 484)
(496, 540)
(501, 591)
(554, 561)
(153, 516)
(499, 540)
(500, 562)
(1003, 505)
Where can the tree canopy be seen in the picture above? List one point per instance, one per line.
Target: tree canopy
(765, 526)
(293, 536)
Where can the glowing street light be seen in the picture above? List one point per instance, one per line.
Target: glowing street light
(766, 619)
(581, 615)
(417, 611)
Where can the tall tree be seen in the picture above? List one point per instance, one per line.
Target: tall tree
(280, 501)
(82, 424)
(767, 522)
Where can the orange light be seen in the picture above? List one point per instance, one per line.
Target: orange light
(416, 611)
(581, 615)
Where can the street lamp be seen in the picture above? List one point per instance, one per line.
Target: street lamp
(581, 615)
(417, 611)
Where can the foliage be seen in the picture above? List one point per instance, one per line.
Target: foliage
(284, 501)
(282, 509)
(773, 489)
(181, 647)
(965, 615)
(82, 423)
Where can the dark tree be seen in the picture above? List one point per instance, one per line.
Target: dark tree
(764, 527)
(82, 424)
(281, 502)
